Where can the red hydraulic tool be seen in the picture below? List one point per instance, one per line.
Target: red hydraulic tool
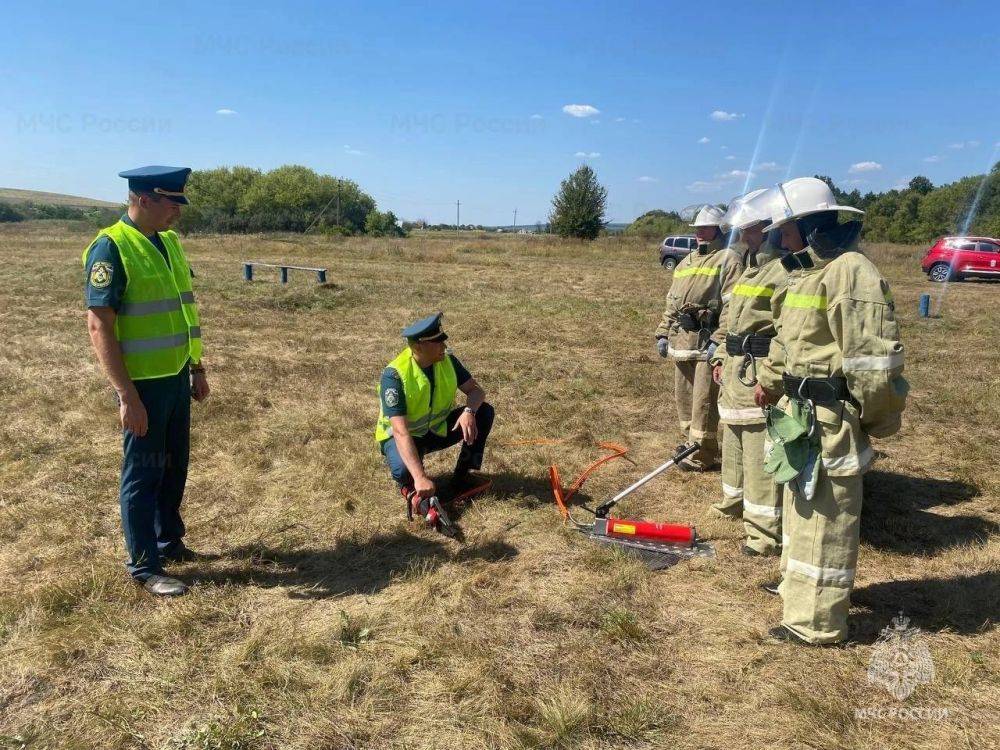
(658, 545)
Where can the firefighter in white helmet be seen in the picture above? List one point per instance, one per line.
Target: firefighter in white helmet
(699, 293)
(744, 340)
(837, 366)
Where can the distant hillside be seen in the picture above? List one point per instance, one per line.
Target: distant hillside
(16, 196)
(657, 224)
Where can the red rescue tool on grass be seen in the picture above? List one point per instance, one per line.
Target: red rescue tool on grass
(658, 545)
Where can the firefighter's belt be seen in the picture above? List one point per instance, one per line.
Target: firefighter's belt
(825, 391)
(756, 344)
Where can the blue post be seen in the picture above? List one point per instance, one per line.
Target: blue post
(925, 305)
(284, 274)
(321, 276)
(248, 271)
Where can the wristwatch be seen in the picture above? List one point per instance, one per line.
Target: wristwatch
(470, 410)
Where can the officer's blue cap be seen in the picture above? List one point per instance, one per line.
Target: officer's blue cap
(166, 181)
(426, 329)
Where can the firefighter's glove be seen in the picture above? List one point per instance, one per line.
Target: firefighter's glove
(662, 347)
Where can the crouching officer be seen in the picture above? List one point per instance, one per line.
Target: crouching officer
(837, 360)
(698, 296)
(416, 394)
(144, 327)
(744, 342)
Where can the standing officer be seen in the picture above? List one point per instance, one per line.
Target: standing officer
(744, 341)
(837, 359)
(698, 296)
(143, 324)
(416, 394)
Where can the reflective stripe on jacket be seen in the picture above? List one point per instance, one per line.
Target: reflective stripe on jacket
(837, 319)
(702, 281)
(157, 326)
(424, 412)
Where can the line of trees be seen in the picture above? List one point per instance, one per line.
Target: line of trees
(920, 212)
(99, 217)
(291, 198)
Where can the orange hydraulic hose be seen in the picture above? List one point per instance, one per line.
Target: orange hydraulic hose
(618, 452)
(557, 491)
(470, 493)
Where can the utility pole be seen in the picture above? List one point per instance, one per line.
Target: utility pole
(338, 202)
(458, 214)
(515, 219)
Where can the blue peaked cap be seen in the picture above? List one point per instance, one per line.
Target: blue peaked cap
(426, 329)
(164, 181)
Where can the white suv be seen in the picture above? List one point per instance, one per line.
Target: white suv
(672, 249)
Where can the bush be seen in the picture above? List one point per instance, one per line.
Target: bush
(8, 213)
(658, 224)
(378, 224)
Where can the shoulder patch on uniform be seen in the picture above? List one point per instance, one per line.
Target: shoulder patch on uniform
(391, 397)
(101, 274)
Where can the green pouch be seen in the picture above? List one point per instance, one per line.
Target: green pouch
(788, 435)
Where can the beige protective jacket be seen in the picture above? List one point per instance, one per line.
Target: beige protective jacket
(702, 284)
(837, 319)
(753, 308)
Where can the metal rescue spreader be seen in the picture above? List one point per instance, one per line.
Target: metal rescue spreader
(658, 545)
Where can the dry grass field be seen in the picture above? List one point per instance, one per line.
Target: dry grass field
(322, 620)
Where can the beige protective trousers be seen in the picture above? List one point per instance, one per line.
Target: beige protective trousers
(819, 558)
(747, 489)
(697, 411)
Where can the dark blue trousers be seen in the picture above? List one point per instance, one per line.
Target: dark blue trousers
(470, 457)
(154, 471)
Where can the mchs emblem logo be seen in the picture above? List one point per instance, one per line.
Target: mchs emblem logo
(391, 397)
(901, 660)
(100, 274)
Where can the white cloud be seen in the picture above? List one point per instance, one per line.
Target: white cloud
(595, 122)
(647, 178)
(972, 144)
(703, 186)
(768, 166)
(587, 154)
(536, 117)
(902, 184)
(619, 119)
(963, 144)
(735, 174)
(704, 139)
(730, 158)
(720, 115)
(932, 159)
(353, 151)
(580, 110)
(226, 112)
(724, 148)
(865, 166)
(855, 182)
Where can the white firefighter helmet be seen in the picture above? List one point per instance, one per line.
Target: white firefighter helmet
(753, 208)
(707, 215)
(801, 197)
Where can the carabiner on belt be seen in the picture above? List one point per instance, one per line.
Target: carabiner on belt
(749, 363)
(811, 405)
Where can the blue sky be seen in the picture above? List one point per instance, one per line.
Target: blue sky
(425, 105)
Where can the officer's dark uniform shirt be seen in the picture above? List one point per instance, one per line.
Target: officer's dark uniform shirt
(391, 388)
(106, 278)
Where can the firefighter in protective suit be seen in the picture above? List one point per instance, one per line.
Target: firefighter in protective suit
(744, 340)
(702, 284)
(837, 365)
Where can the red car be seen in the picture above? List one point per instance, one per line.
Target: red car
(953, 258)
